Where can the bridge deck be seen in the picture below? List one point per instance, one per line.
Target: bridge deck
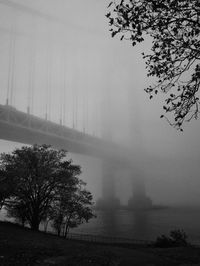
(25, 128)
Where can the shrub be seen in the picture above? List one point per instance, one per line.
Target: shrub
(163, 241)
(177, 238)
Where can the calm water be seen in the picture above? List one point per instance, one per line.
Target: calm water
(145, 225)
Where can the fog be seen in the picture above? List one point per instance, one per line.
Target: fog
(67, 67)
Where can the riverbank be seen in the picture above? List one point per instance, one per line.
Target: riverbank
(23, 247)
(139, 225)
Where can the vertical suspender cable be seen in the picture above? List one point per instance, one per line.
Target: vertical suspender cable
(13, 70)
(85, 111)
(31, 85)
(73, 109)
(65, 88)
(98, 115)
(64, 99)
(47, 89)
(61, 90)
(86, 119)
(94, 114)
(74, 94)
(48, 84)
(11, 65)
(83, 107)
(33, 80)
(32, 55)
(30, 79)
(48, 73)
(77, 101)
(84, 97)
(75, 106)
(81, 100)
(97, 118)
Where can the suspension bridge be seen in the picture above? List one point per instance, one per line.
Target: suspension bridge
(48, 94)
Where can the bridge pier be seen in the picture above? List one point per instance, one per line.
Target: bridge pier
(139, 199)
(109, 199)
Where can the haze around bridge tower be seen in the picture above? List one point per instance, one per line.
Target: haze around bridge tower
(81, 57)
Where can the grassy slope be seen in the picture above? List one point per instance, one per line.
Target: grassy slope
(19, 247)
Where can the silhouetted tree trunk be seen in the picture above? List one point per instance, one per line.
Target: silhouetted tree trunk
(35, 222)
(66, 230)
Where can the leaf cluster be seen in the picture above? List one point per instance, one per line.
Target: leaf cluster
(174, 26)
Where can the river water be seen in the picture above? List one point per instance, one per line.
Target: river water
(142, 225)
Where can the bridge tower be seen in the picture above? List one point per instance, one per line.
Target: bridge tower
(139, 199)
(109, 199)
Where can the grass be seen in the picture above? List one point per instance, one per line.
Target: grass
(22, 246)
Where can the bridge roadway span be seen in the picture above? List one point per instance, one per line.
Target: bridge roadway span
(29, 129)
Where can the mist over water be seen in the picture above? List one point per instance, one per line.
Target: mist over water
(57, 58)
(144, 225)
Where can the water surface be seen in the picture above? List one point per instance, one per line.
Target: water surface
(145, 225)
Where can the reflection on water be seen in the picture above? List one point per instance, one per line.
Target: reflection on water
(146, 225)
(122, 223)
(140, 225)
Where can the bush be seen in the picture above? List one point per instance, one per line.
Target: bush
(177, 238)
(163, 242)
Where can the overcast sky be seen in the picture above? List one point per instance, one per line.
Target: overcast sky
(172, 159)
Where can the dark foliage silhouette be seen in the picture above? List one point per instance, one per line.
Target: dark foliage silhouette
(71, 209)
(6, 187)
(174, 27)
(39, 174)
(177, 238)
